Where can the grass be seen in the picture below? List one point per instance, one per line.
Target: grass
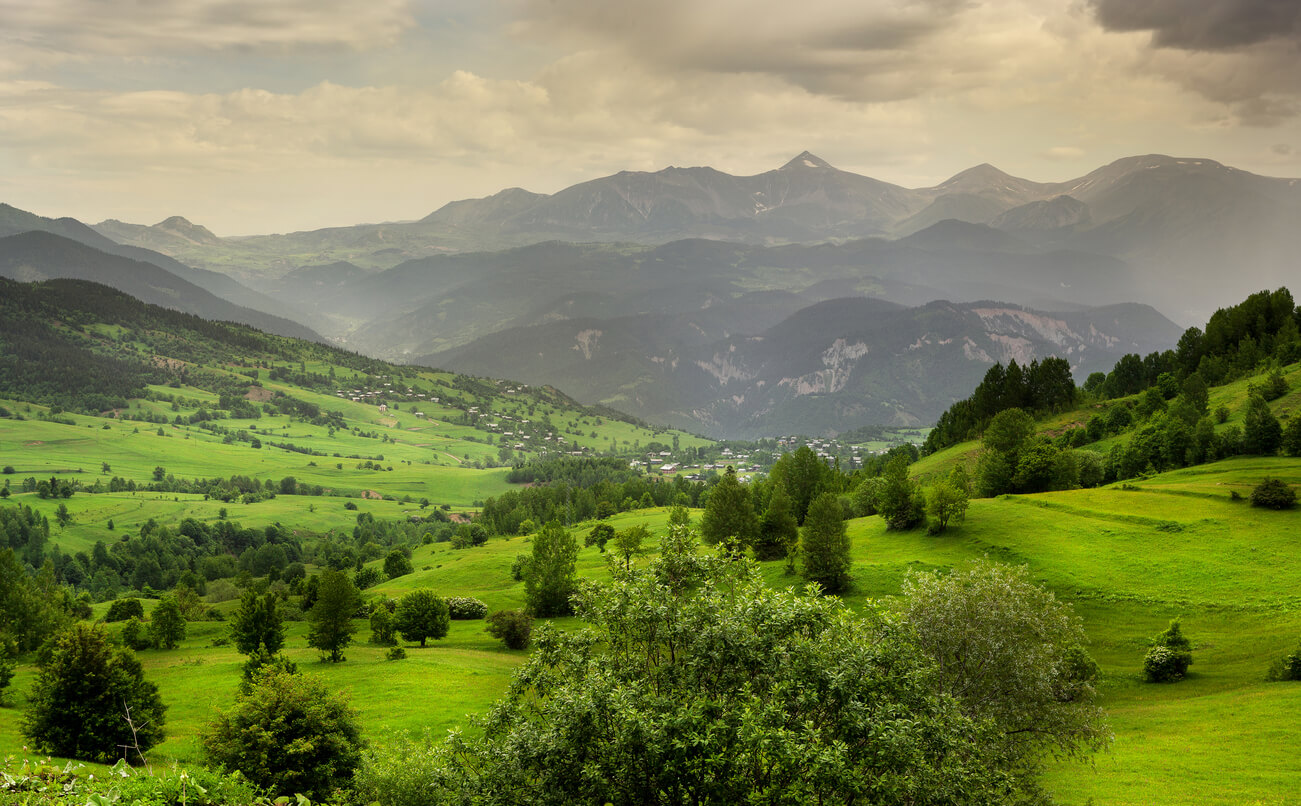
(1128, 559)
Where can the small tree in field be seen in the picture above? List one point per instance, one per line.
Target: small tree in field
(78, 706)
(337, 600)
(167, 627)
(551, 576)
(514, 628)
(825, 548)
(421, 615)
(778, 531)
(396, 564)
(1273, 494)
(256, 624)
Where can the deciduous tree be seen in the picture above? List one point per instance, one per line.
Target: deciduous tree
(551, 577)
(421, 615)
(330, 619)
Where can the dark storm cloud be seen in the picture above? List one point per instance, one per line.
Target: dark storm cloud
(1206, 25)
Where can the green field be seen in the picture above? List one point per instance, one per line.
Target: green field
(1128, 559)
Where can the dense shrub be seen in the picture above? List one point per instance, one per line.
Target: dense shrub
(123, 609)
(514, 628)
(45, 783)
(1273, 494)
(78, 706)
(368, 578)
(520, 567)
(1170, 656)
(1287, 667)
(464, 608)
(135, 635)
(397, 653)
(260, 659)
(288, 733)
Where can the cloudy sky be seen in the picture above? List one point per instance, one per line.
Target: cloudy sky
(253, 116)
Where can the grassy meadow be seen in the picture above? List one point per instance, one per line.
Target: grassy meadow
(1128, 559)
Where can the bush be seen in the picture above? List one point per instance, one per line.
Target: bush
(1273, 494)
(368, 578)
(520, 568)
(123, 609)
(397, 653)
(1287, 667)
(261, 659)
(1170, 656)
(43, 782)
(514, 628)
(289, 734)
(463, 608)
(79, 702)
(135, 635)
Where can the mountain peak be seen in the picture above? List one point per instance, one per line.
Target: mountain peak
(807, 160)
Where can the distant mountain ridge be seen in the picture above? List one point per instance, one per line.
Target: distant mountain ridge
(827, 368)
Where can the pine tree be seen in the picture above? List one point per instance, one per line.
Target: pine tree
(778, 533)
(256, 624)
(729, 516)
(826, 544)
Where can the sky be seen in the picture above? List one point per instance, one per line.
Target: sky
(259, 116)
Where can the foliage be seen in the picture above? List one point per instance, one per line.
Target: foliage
(1287, 667)
(289, 733)
(84, 688)
(396, 653)
(778, 532)
(135, 634)
(599, 536)
(464, 608)
(519, 567)
(261, 659)
(729, 518)
(167, 625)
(947, 500)
(898, 500)
(551, 578)
(31, 608)
(1011, 653)
(123, 609)
(514, 628)
(256, 624)
(1170, 656)
(330, 619)
(628, 542)
(397, 564)
(713, 688)
(368, 577)
(1273, 494)
(1042, 387)
(1261, 432)
(825, 549)
(421, 615)
(69, 785)
(382, 631)
(805, 476)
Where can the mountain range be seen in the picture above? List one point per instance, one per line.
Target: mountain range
(734, 304)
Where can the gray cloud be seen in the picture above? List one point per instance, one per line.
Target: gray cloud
(862, 51)
(1204, 24)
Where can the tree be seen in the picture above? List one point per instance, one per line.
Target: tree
(256, 624)
(729, 518)
(382, 631)
(1261, 433)
(79, 703)
(1170, 656)
(778, 533)
(947, 501)
(330, 619)
(123, 609)
(804, 476)
(513, 628)
(1273, 494)
(898, 499)
(551, 576)
(600, 535)
(290, 734)
(627, 542)
(1292, 436)
(62, 515)
(1011, 653)
(166, 624)
(713, 688)
(826, 545)
(421, 615)
(396, 564)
